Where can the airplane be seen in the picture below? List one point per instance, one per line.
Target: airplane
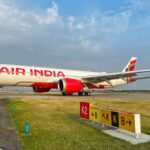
(67, 81)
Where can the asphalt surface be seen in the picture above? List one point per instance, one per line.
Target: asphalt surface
(94, 95)
(8, 137)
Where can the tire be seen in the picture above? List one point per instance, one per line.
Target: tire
(84, 94)
(63, 94)
(87, 94)
(67, 94)
(80, 93)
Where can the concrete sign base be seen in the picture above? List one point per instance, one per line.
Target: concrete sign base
(128, 136)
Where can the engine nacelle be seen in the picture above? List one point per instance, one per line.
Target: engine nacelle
(41, 89)
(68, 85)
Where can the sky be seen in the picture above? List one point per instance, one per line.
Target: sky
(92, 35)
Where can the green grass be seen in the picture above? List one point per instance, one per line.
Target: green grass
(54, 124)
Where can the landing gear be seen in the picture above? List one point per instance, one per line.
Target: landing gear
(84, 93)
(67, 94)
(80, 94)
(63, 94)
(87, 93)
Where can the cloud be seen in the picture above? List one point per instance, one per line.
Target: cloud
(116, 23)
(35, 30)
(102, 22)
(48, 32)
(50, 16)
(17, 26)
(31, 28)
(89, 45)
(74, 26)
(12, 16)
(138, 4)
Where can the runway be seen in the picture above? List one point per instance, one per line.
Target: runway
(108, 95)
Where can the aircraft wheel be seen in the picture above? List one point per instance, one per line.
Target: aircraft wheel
(84, 94)
(70, 94)
(88, 94)
(67, 94)
(80, 93)
(63, 94)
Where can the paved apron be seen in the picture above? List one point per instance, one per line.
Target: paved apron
(8, 137)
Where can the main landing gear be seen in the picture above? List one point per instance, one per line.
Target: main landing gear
(67, 94)
(84, 93)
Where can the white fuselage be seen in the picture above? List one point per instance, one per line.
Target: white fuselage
(15, 75)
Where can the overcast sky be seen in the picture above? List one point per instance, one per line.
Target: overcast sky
(96, 35)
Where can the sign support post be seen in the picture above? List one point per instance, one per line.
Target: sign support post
(137, 125)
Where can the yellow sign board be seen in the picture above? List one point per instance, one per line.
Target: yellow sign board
(126, 121)
(116, 118)
(106, 117)
(94, 114)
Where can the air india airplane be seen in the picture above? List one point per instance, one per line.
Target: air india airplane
(67, 81)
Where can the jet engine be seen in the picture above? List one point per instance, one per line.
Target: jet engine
(68, 86)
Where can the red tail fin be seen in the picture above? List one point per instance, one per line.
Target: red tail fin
(130, 67)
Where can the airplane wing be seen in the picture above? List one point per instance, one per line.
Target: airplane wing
(110, 76)
(140, 78)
